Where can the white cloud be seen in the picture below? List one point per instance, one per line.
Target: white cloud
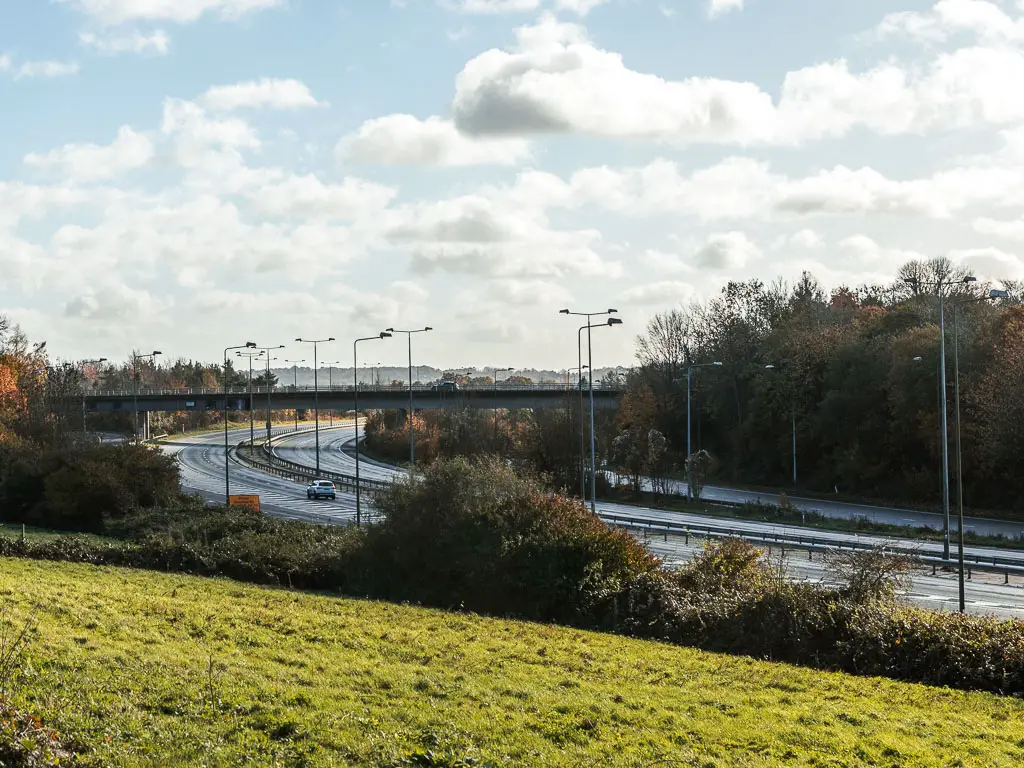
(990, 263)
(729, 250)
(307, 197)
(554, 80)
(719, 7)
(406, 140)
(266, 92)
(987, 21)
(498, 6)
(133, 41)
(112, 303)
(48, 69)
(113, 12)
(1011, 230)
(659, 294)
(189, 121)
(580, 7)
(92, 162)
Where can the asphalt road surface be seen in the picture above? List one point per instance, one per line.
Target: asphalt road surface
(202, 461)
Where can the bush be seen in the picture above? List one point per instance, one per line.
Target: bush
(83, 488)
(476, 533)
(727, 566)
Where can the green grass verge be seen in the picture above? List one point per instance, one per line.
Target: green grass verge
(11, 531)
(765, 514)
(152, 669)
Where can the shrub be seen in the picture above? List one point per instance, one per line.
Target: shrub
(874, 574)
(476, 533)
(727, 566)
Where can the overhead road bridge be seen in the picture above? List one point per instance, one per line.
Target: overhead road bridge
(527, 396)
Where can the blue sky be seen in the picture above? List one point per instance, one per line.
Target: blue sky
(183, 174)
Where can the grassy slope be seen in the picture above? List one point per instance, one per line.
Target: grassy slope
(171, 670)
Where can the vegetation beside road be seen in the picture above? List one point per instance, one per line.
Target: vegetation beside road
(222, 673)
(786, 514)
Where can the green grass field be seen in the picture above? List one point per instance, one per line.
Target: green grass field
(151, 669)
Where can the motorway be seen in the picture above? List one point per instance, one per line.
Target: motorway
(202, 461)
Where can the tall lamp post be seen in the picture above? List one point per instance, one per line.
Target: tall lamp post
(355, 377)
(316, 393)
(993, 295)
(612, 321)
(940, 286)
(579, 358)
(135, 390)
(82, 364)
(295, 386)
(792, 406)
(689, 432)
(252, 418)
(270, 389)
(330, 385)
(227, 456)
(412, 436)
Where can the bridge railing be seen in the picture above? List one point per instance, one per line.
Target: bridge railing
(363, 390)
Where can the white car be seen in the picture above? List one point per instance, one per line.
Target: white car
(321, 489)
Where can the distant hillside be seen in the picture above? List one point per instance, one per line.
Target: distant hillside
(422, 373)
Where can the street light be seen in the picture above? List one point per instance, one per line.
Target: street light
(252, 422)
(612, 321)
(330, 384)
(939, 286)
(579, 362)
(227, 457)
(412, 437)
(793, 410)
(84, 363)
(316, 394)
(270, 388)
(992, 295)
(355, 377)
(689, 449)
(295, 386)
(135, 390)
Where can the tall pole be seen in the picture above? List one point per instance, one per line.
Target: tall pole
(316, 393)
(794, 443)
(355, 377)
(593, 452)
(227, 451)
(689, 449)
(579, 386)
(252, 422)
(945, 426)
(412, 435)
(959, 456)
(135, 395)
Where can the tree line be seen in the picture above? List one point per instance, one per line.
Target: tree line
(855, 371)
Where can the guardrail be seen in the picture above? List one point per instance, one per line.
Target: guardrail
(811, 544)
(363, 389)
(299, 472)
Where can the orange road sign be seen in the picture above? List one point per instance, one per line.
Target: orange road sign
(250, 502)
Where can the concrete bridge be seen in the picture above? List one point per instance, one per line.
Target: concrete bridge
(503, 396)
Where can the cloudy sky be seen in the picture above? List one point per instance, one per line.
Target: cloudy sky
(188, 174)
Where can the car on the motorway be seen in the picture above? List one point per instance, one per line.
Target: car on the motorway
(446, 386)
(321, 489)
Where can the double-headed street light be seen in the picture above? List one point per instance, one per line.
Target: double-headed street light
(227, 456)
(270, 388)
(992, 296)
(940, 286)
(135, 390)
(295, 386)
(252, 420)
(590, 362)
(355, 377)
(316, 394)
(412, 436)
